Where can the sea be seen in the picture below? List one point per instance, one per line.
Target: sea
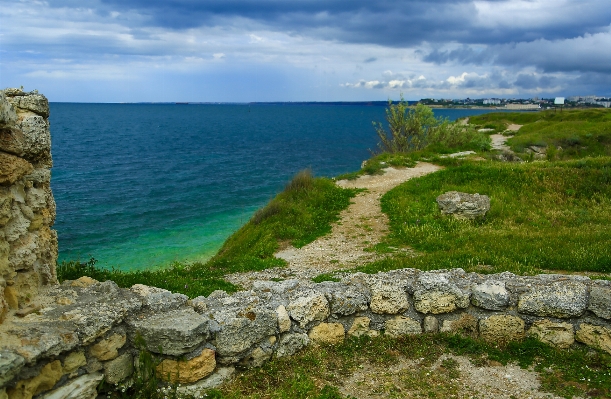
(139, 186)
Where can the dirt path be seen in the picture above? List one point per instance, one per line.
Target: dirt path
(498, 140)
(361, 225)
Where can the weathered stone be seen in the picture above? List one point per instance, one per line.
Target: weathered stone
(186, 331)
(73, 361)
(360, 326)
(39, 176)
(327, 333)
(257, 357)
(309, 308)
(465, 324)
(119, 369)
(437, 302)
(491, 296)
(463, 205)
(594, 336)
(108, 348)
(48, 377)
(83, 387)
(13, 168)
(198, 390)
(559, 335)
(240, 332)
(36, 103)
(24, 253)
(290, 344)
(187, 371)
(563, 299)
(10, 365)
(402, 326)
(83, 282)
(8, 116)
(430, 324)
(36, 145)
(10, 296)
(600, 301)
(344, 299)
(158, 299)
(284, 321)
(388, 298)
(6, 205)
(501, 328)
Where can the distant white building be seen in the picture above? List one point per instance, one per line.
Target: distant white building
(523, 107)
(492, 101)
(606, 104)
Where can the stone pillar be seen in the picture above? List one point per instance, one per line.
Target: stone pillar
(28, 246)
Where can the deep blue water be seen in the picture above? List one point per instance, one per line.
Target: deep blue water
(142, 185)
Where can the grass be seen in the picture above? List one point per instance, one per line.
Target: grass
(318, 372)
(304, 211)
(543, 216)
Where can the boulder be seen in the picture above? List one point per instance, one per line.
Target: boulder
(490, 296)
(501, 328)
(594, 336)
(463, 205)
(562, 299)
(388, 297)
(344, 299)
(187, 371)
(327, 333)
(119, 369)
(306, 309)
(400, 325)
(560, 335)
(239, 332)
(158, 299)
(290, 344)
(600, 301)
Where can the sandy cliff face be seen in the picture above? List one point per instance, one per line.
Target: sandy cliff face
(28, 245)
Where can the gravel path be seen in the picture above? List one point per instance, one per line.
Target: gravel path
(361, 225)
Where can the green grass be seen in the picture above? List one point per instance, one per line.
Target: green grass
(374, 165)
(551, 216)
(301, 213)
(318, 372)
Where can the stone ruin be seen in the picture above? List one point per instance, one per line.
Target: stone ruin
(63, 342)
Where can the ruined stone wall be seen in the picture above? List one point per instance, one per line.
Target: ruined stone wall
(85, 331)
(28, 246)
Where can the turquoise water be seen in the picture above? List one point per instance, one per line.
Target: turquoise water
(139, 186)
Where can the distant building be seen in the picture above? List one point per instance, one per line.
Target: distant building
(492, 101)
(523, 107)
(606, 104)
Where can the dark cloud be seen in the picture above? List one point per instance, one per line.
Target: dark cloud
(369, 60)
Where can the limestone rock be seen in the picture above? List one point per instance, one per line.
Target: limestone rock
(327, 333)
(490, 296)
(10, 365)
(198, 389)
(119, 369)
(430, 324)
(36, 144)
(239, 332)
(463, 205)
(437, 302)
(290, 344)
(48, 377)
(559, 335)
(83, 282)
(107, 349)
(8, 116)
(501, 328)
(600, 301)
(465, 324)
(562, 299)
(187, 371)
(83, 387)
(13, 168)
(158, 299)
(284, 321)
(257, 357)
(595, 336)
(402, 326)
(34, 102)
(388, 298)
(309, 308)
(73, 361)
(360, 326)
(186, 331)
(344, 299)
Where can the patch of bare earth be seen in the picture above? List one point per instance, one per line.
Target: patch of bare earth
(449, 377)
(361, 226)
(498, 140)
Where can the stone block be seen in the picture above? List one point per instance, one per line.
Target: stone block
(327, 333)
(289, 344)
(187, 371)
(257, 357)
(158, 299)
(239, 332)
(36, 103)
(463, 205)
(10, 365)
(465, 324)
(73, 361)
(83, 387)
(108, 348)
(560, 335)
(49, 375)
(186, 331)
(388, 298)
(284, 320)
(594, 336)
(600, 301)
(562, 299)
(198, 389)
(306, 309)
(501, 328)
(360, 326)
(402, 326)
(119, 369)
(344, 299)
(490, 296)
(83, 282)
(437, 302)
(430, 324)
(8, 116)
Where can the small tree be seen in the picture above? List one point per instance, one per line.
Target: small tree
(409, 127)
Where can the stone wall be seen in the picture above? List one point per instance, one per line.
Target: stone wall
(28, 246)
(85, 331)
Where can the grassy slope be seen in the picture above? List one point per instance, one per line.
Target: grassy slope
(542, 216)
(300, 214)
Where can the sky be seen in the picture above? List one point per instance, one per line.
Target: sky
(304, 50)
